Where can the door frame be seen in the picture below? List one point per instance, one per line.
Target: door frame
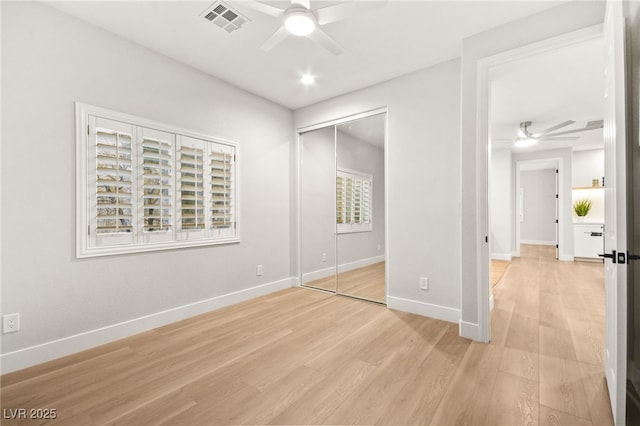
(556, 164)
(484, 66)
(298, 179)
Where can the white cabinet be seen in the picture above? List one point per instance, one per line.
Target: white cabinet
(588, 240)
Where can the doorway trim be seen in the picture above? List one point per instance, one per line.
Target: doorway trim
(298, 182)
(484, 66)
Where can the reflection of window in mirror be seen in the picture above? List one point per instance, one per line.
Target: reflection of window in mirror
(353, 201)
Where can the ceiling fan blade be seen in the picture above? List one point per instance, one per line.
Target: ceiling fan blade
(556, 127)
(275, 38)
(323, 39)
(556, 138)
(342, 11)
(304, 3)
(568, 132)
(264, 8)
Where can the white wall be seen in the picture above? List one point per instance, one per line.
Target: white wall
(501, 206)
(568, 17)
(423, 192)
(538, 225)
(588, 165)
(51, 60)
(355, 154)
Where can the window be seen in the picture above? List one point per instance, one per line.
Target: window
(145, 186)
(353, 201)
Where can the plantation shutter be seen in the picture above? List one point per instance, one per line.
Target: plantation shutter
(111, 177)
(191, 163)
(221, 173)
(157, 184)
(145, 186)
(353, 201)
(341, 200)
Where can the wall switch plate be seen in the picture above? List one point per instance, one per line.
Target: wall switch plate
(424, 283)
(10, 323)
(324, 257)
(258, 270)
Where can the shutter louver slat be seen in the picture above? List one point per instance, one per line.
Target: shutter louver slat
(220, 173)
(113, 183)
(157, 173)
(192, 188)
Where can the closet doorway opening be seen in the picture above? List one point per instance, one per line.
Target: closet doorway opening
(342, 207)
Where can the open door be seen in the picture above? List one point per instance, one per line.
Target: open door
(615, 240)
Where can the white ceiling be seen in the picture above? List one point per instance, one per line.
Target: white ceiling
(397, 38)
(548, 89)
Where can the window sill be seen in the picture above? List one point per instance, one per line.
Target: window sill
(85, 252)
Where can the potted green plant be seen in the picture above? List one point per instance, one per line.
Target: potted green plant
(581, 208)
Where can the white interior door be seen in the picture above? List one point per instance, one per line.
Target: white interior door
(615, 210)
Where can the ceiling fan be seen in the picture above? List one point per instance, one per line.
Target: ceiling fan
(527, 138)
(298, 19)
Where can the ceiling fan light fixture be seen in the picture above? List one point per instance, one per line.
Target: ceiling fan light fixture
(300, 22)
(525, 142)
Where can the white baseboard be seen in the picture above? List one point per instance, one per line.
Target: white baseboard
(425, 309)
(48, 351)
(501, 256)
(327, 272)
(469, 330)
(360, 263)
(566, 258)
(538, 242)
(318, 275)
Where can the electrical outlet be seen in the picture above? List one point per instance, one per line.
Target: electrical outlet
(10, 323)
(258, 270)
(379, 247)
(424, 283)
(324, 257)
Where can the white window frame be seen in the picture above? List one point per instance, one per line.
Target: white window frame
(350, 226)
(87, 242)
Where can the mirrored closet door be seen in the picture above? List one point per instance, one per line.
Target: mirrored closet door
(342, 208)
(317, 209)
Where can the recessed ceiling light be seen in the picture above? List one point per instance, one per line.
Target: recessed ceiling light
(308, 79)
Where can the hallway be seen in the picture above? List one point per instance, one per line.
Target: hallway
(549, 321)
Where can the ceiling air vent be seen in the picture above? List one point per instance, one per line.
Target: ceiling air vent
(224, 16)
(596, 123)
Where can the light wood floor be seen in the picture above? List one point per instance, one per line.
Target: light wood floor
(498, 268)
(304, 357)
(367, 283)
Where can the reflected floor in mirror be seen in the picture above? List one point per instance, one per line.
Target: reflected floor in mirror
(365, 283)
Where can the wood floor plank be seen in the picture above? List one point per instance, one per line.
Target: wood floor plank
(417, 402)
(469, 395)
(556, 342)
(561, 386)
(514, 401)
(551, 417)
(597, 394)
(520, 363)
(319, 402)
